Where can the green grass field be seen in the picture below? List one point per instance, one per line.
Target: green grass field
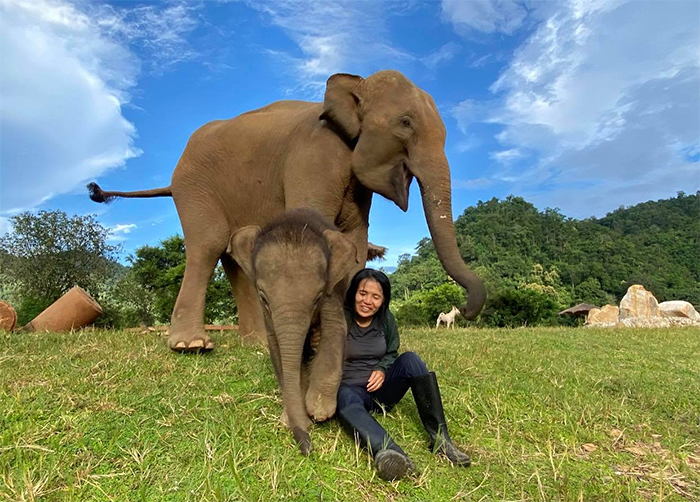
(546, 414)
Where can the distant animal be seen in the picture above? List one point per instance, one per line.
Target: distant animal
(448, 319)
(297, 264)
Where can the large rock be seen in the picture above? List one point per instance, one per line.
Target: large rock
(609, 315)
(638, 303)
(680, 309)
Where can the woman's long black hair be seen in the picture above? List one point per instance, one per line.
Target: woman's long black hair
(369, 273)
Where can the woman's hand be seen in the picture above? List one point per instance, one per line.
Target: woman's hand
(376, 380)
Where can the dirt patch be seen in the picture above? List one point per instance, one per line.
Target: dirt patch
(655, 463)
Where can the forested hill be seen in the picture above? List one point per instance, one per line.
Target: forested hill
(536, 262)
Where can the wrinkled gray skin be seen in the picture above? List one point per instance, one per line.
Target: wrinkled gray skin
(297, 265)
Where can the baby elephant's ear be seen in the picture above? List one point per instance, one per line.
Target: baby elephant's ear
(240, 247)
(343, 258)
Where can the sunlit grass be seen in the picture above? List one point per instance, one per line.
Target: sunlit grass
(546, 414)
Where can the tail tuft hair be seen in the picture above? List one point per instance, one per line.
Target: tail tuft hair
(96, 193)
(375, 252)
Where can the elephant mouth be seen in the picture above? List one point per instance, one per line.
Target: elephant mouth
(402, 184)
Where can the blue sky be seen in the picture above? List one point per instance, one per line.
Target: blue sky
(583, 105)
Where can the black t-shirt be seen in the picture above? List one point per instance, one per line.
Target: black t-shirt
(364, 347)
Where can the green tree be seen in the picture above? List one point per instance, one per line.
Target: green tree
(519, 307)
(160, 270)
(590, 291)
(441, 299)
(514, 247)
(47, 253)
(125, 302)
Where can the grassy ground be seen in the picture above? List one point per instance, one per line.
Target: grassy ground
(546, 414)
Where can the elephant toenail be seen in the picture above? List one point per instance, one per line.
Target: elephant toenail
(197, 344)
(209, 345)
(180, 345)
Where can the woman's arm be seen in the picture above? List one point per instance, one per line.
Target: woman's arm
(391, 333)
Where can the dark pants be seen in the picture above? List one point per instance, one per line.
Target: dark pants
(396, 384)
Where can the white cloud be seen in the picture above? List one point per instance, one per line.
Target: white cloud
(469, 143)
(606, 95)
(443, 55)
(117, 233)
(66, 71)
(123, 228)
(507, 156)
(332, 37)
(160, 31)
(486, 16)
(468, 112)
(5, 225)
(473, 184)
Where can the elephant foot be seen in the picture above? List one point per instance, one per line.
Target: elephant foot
(198, 343)
(320, 407)
(284, 419)
(303, 440)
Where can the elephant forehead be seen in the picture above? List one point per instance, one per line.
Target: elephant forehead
(384, 108)
(289, 261)
(289, 284)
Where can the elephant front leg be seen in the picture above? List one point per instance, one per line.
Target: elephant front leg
(327, 366)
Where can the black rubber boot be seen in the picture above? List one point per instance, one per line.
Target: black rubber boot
(427, 395)
(389, 459)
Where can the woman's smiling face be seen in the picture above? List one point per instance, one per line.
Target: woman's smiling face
(368, 298)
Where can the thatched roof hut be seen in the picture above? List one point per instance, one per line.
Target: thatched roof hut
(578, 310)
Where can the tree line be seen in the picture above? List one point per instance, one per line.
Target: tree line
(534, 264)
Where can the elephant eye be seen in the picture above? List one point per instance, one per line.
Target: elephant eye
(406, 122)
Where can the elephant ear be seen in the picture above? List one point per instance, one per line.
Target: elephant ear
(343, 258)
(341, 105)
(241, 245)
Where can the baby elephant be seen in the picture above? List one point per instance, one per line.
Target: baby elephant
(298, 264)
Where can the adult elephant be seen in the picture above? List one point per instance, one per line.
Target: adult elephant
(369, 135)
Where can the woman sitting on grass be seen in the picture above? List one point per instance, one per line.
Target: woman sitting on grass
(375, 376)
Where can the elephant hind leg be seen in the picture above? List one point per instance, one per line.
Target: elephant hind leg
(203, 249)
(251, 323)
(187, 332)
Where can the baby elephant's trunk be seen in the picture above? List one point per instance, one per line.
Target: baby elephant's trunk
(290, 338)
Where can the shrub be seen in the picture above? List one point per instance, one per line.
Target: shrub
(31, 307)
(519, 307)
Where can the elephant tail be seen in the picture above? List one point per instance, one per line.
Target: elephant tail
(375, 252)
(99, 195)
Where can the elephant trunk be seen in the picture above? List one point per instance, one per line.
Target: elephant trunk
(291, 330)
(434, 181)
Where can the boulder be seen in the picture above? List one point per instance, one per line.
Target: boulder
(638, 303)
(679, 308)
(607, 315)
